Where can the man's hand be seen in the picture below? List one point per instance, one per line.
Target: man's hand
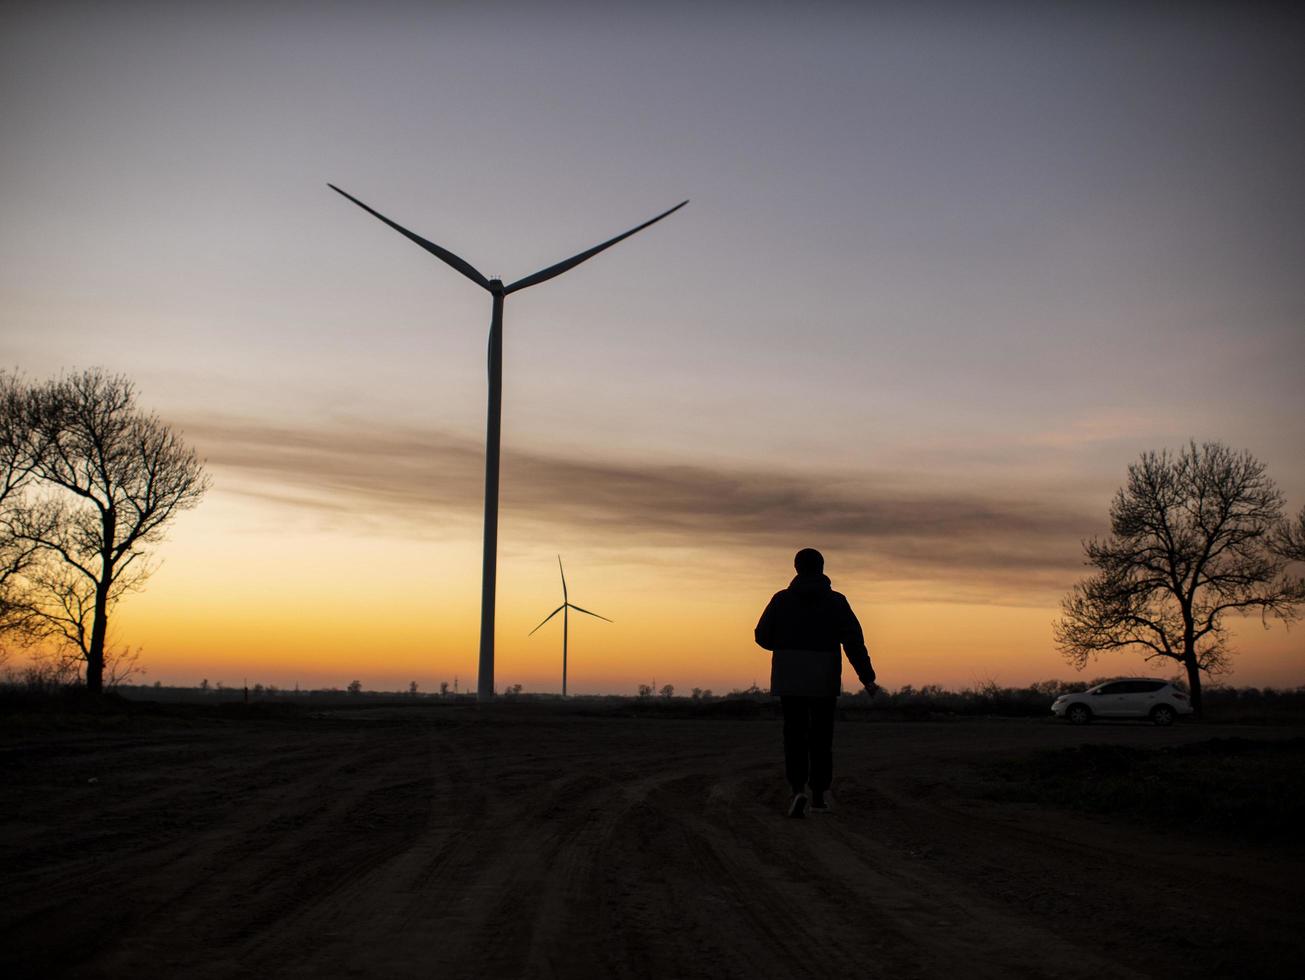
(872, 689)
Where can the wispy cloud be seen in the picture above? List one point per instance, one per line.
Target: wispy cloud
(417, 478)
(1103, 426)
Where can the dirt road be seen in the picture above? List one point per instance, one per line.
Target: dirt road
(461, 843)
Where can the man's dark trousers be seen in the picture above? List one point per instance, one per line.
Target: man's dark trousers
(808, 741)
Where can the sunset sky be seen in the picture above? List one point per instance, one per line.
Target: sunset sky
(943, 276)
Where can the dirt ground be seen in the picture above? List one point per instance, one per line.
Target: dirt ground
(457, 842)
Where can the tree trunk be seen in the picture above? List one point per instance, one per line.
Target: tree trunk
(100, 624)
(99, 629)
(1193, 679)
(1189, 654)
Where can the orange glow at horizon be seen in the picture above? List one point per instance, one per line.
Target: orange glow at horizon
(321, 609)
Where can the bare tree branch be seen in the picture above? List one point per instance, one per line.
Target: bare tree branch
(18, 555)
(1289, 538)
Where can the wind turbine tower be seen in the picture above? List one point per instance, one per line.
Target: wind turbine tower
(496, 289)
(565, 609)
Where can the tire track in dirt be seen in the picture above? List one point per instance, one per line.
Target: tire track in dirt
(508, 893)
(894, 920)
(179, 892)
(419, 904)
(379, 921)
(126, 861)
(297, 839)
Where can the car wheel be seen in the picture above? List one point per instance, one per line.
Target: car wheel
(1078, 714)
(1163, 715)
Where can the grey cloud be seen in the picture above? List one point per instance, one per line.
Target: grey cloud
(415, 477)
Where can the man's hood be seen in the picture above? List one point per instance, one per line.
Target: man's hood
(810, 583)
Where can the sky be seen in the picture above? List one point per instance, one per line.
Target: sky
(946, 271)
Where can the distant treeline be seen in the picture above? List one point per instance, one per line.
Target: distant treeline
(929, 701)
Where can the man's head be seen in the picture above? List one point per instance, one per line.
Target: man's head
(809, 561)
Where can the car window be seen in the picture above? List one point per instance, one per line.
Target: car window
(1116, 688)
(1146, 687)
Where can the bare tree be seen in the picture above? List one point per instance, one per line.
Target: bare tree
(1191, 540)
(108, 479)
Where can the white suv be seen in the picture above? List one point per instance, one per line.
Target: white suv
(1128, 697)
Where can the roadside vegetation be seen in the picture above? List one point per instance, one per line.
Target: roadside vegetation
(37, 684)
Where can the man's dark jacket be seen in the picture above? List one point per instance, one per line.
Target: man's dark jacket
(805, 625)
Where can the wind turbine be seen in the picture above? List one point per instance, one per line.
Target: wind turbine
(565, 609)
(495, 287)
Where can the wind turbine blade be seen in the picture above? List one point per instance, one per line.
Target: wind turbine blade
(556, 270)
(463, 266)
(559, 568)
(548, 617)
(588, 613)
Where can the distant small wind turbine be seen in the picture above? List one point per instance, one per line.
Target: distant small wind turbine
(564, 609)
(495, 287)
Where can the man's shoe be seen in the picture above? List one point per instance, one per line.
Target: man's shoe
(798, 808)
(820, 804)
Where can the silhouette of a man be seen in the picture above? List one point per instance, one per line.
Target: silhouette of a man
(804, 625)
